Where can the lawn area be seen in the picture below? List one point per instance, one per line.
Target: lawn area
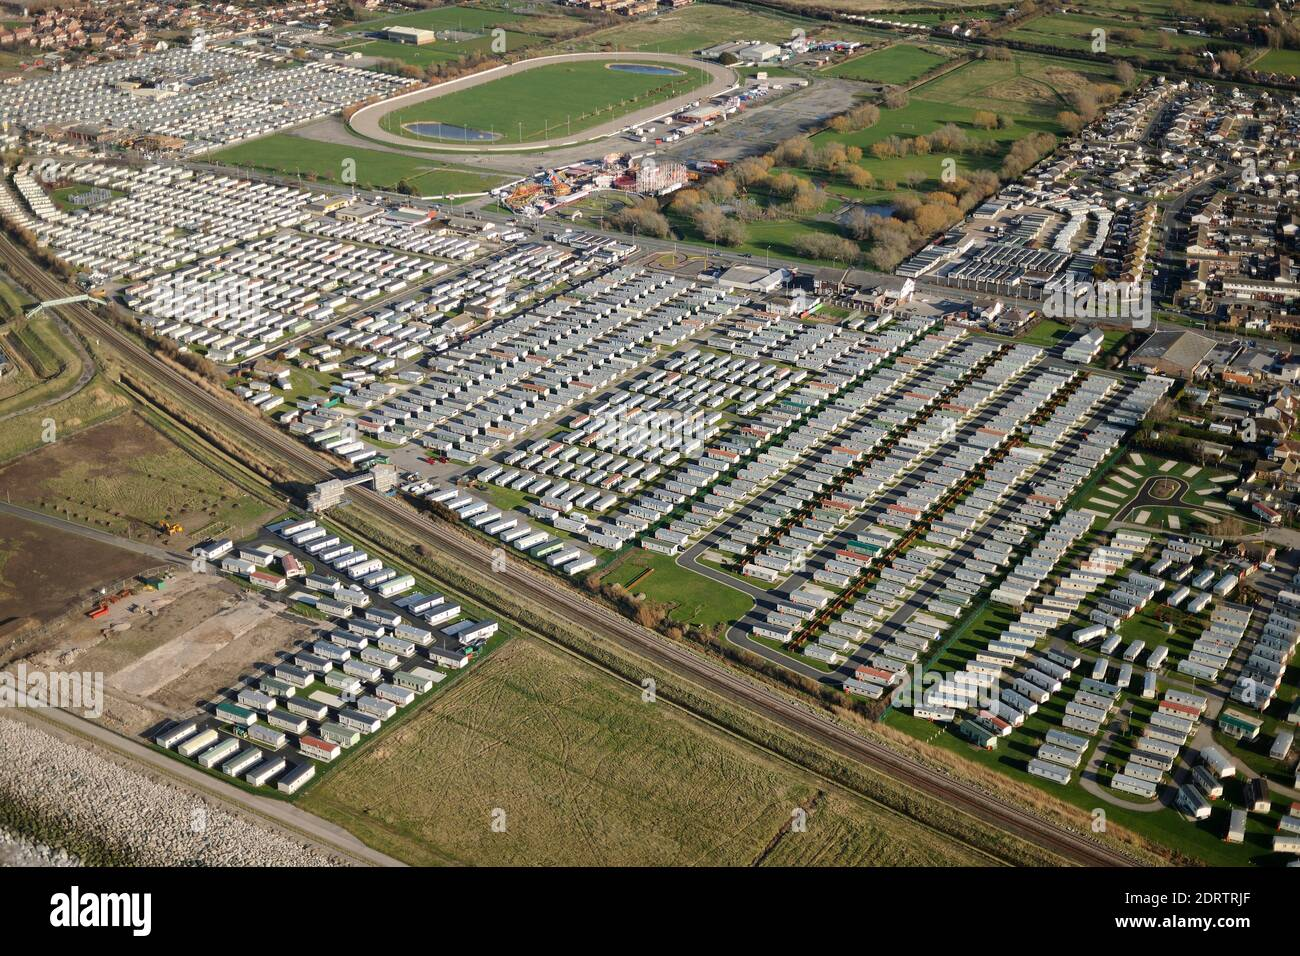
(1028, 90)
(1195, 506)
(900, 63)
(555, 99)
(1046, 333)
(1279, 61)
(375, 168)
(694, 598)
(1124, 37)
(574, 769)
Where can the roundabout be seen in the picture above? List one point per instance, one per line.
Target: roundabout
(542, 103)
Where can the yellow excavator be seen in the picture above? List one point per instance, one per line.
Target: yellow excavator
(170, 527)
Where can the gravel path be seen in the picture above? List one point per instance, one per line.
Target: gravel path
(154, 823)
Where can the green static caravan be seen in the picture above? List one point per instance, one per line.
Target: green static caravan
(234, 714)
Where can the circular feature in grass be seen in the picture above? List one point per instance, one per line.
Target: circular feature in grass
(1164, 488)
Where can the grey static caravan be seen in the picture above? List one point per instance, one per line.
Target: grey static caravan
(375, 706)
(357, 720)
(1049, 771)
(313, 663)
(444, 657)
(243, 761)
(265, 771)
(1129, 784)
(293, 781)
(343, 683)
(291, 674)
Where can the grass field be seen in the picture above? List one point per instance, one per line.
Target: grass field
(45, 363)
(690, 29)
(522, 30)
(1028, 90)
(556, 99)
(694, 598)
(1123, 37)
(1279, 61)
(1200, 504)
(577, 770)
(124, 477)
(900, 63)
(375, 168)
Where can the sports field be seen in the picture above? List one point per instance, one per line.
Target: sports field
(557, 99)
(375, 168)
(538, 758)
(900, 63)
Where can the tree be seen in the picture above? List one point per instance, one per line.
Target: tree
(1069, 121)
(896, 99)
(1230, 61)
(1125, 73)
(858, 177)
(985, 119)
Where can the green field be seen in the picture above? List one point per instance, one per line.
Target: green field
(575, 769)
(1028, 90)
(1200, 505)
(460, 19)
(556, 99)
(1279, 61)
(375, 168)
(695, 28)
(693, 598)
(1123, 37)
(900, 63)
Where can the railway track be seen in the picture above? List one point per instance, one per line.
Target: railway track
(565, 602)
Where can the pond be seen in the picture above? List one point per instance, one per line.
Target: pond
(649, 68)
(449, 131)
